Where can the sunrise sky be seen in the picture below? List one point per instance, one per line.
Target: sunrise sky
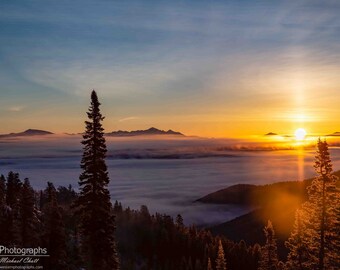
(208, 68)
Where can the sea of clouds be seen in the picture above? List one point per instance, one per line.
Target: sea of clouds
(166, 174)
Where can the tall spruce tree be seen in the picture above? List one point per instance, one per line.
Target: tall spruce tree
(3, 210)
(28, 216)
(13, 189)
(220, 260)
(12, 226)
(53, 237)
(2, 191)
(324, 197)
(298, 257)
(320, 214)
(179, 221)
(336, 233)
(269, 260)
(93, 204)
(256, 256)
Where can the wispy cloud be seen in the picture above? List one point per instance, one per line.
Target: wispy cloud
(166, 59)
(15, 108)
(128, 118)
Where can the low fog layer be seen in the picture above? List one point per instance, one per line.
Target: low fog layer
(144, 147)
(166, 174)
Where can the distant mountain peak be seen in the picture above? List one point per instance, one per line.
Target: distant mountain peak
(36, 131)
(153, 129)
(271, 134)
(150, 131)
(334, 134)
(28, 132)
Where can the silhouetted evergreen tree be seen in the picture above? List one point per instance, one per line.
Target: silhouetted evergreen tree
(66, 195)
(336, 233)
(3, 210)
(28, 216)
(117, 207)
(13, 189)
(256, 253)
(318, 225)
(2, 191)
(53, 237)
(269, 260)
(41, 200)
(12, 236)
(298, 254)
(321, 199)
(179, 221)
(220, 260)
(94, 205)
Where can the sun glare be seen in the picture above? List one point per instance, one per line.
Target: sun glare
(300, 134)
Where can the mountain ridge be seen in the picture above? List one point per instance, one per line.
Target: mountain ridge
(150, 131)
(118, 133)
(334, 134)
(27, 132)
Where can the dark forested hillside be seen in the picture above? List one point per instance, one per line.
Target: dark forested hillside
(260, 195)
(276, 202)
(144, 241)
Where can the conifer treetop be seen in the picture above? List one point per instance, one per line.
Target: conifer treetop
(93, 204)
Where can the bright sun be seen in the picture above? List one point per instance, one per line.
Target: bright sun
(300, 134)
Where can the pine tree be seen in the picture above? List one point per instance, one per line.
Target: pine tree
(256, 256)
(28, 216)
(41, 200)
(320, 212)
(220, 260)
(3, 210)
(179, 221)
(269, 259)
(54, 231)
(298, 255)
(314, 241)
(336, 233)
(12, 222)
(117, 207)
(13, 189)
(93, 204)
(2, 191)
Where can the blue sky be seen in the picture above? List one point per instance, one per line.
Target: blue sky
(203, 67)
